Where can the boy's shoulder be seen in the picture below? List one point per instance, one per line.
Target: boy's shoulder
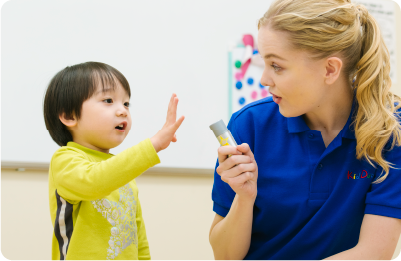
(68, 150)
(66, 153)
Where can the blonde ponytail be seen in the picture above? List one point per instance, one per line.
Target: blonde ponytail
(329, 27)
(377, 119)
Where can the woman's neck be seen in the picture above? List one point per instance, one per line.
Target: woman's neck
(332, 113)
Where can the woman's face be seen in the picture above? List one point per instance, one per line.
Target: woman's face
(297, 82)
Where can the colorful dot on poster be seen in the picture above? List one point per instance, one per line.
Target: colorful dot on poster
(238, 76)
(254, 95)
(250, 81)
(255, 51)
(241, 101)
(238, 64)
(238, 85)
(261, 86)
(264, 93)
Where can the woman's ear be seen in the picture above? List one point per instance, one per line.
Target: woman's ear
(68, 121)
(333, 69)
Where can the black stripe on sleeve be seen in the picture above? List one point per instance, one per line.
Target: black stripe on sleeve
(68, 225)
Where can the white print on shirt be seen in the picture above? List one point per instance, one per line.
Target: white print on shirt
(122, 217)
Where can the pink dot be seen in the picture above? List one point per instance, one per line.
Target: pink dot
(264, 93)
(254, 95)
(238, 76)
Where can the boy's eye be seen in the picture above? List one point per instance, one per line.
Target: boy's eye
(126, 104)
(108, 100)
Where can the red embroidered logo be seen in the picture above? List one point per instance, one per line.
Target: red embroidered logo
(362, 175)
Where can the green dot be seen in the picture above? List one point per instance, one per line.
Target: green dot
(238, 64)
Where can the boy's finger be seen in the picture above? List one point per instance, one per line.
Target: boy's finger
(177, 124)
(170, 104)
(172, 113)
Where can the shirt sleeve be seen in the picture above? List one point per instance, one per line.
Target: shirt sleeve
(143, 244)
(384, 198)
(78, 179)
(222, 193)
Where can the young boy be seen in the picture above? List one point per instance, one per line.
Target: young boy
(94, 203)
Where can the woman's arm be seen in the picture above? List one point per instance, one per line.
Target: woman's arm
(230, 237)
(377, 240)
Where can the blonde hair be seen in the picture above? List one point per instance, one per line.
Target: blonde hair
(325, 28)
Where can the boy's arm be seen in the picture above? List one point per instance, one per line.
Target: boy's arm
(143, 244)
(76, 178)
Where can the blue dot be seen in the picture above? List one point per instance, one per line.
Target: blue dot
(242, 100)
(261, 86)
(238, 85)
(250, 81)
(255, 51)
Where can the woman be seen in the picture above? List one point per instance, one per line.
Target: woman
(317, 172)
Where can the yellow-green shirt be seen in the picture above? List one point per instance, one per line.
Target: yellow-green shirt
(94, 203)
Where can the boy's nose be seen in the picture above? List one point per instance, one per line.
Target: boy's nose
(122, 112)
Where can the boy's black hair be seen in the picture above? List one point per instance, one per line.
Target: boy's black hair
(70, 87)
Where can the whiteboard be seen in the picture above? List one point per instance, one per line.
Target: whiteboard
(161, 47)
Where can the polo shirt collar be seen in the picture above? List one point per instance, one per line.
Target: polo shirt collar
(297, 124)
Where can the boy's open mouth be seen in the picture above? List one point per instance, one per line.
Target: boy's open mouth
(121, 126)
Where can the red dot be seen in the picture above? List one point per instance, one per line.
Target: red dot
(254, 95)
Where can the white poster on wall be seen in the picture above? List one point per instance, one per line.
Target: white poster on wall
(384, 13)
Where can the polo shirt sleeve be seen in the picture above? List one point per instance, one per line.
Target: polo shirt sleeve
(222, 193)
(384, 198)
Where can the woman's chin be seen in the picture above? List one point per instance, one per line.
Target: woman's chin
(288, 113)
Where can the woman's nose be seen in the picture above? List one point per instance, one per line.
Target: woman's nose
(266, 80)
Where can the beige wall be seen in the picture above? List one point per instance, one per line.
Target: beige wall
(177, 211)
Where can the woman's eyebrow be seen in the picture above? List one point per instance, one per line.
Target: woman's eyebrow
(270, 55)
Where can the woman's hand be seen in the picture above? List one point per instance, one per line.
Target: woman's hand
(240, 171)
(166, 135)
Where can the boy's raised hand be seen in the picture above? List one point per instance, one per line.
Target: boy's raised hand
(166, 135)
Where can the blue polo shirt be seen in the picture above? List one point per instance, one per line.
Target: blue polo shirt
(311, 199)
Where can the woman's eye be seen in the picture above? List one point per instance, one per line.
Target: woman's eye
(275, 67)
(108, 100)
(126, 104)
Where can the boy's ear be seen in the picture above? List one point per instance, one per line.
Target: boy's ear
(68, 121)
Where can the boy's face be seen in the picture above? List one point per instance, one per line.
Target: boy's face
(105, 120)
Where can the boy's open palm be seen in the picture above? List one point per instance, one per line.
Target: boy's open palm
(166, 135)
